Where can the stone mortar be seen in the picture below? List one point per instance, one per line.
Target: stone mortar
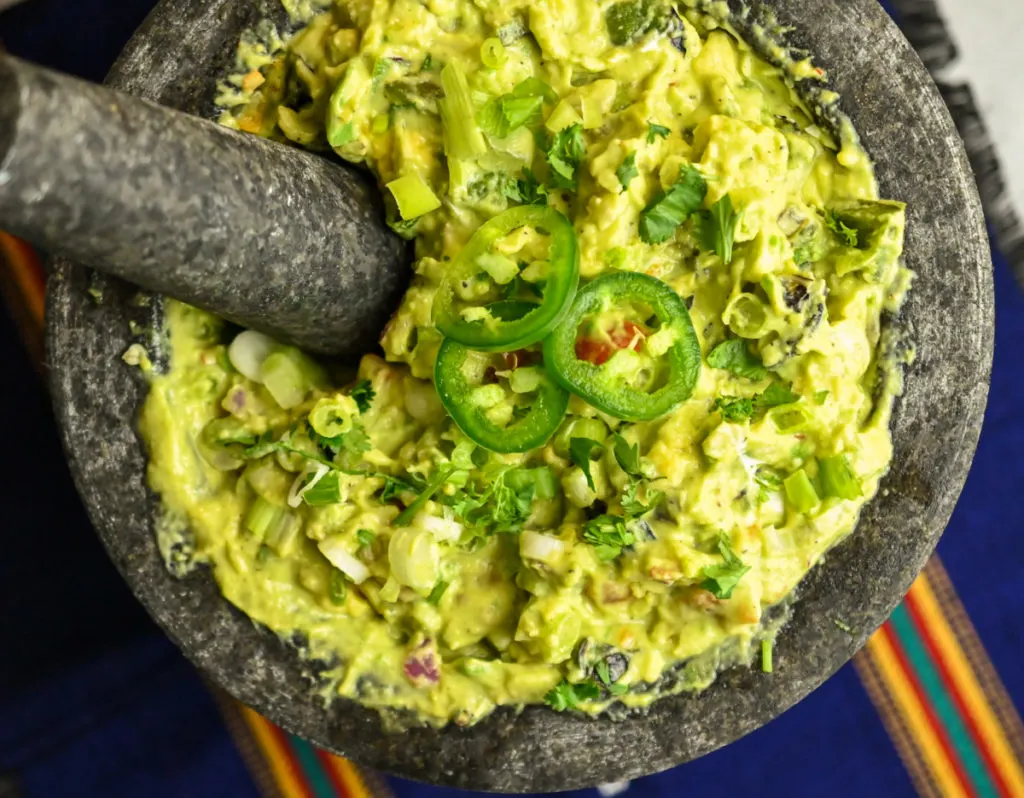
(176, 58)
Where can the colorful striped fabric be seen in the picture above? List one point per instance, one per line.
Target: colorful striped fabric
(953, 725)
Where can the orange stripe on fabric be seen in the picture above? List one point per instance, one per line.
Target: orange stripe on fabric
(896, 726)
(895, 680)
(992, 686)
(914, 613)
(941, 733)
(245, 741)
(349, 775)
(965, 684)
(284, 768)
(28, 274)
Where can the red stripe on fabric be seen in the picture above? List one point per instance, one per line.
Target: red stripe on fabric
(289, 755)
(951, 685)
(332, 774)
(929, 712)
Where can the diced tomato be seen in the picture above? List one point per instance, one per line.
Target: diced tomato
(629, 335)
(596, 352)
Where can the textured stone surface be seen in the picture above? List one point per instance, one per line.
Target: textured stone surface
(907, 130)
(266, 235)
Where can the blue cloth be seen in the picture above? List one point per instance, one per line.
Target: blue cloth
(95, 702)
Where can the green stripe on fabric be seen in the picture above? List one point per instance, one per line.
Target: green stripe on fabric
(946, 711)
(312, 768)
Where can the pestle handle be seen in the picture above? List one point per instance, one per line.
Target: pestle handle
(266, 235)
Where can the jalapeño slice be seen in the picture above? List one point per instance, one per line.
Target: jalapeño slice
(476, 325)
(514, 412)
(627, 347)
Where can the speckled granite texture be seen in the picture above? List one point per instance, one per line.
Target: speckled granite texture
(904, 126)
(266, 235)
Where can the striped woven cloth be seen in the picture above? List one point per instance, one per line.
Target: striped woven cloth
(922, 709)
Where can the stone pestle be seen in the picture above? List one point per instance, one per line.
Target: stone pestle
(266, 235)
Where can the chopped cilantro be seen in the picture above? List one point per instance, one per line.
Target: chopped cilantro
(717, 229)
(627, 170)
(502, 115)
(354, 442)
(735, 356)
(734, 408)
(608, 535)
(655, 131)
(365, 537)
(721, 580)
(627, 456)
(364, 395)
(526, 190)
(604, 677)
(499, 508)
(669, 209)
(848, 235)
(569, 696)
(632, 506)
(564, 155)
(580, 450)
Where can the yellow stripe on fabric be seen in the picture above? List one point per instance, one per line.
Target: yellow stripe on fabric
(280, 765)
(971, 692)
(896, 726)
(896, 681)
(348, 775)
(977, 657)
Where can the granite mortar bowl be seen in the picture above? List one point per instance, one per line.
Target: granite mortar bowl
(176, 58)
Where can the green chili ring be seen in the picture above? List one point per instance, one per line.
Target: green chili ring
(596, 385)
(530, 432)
(499, 335)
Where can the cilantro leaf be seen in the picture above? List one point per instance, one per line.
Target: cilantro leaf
(567, 695)
(717, 229)
(608, 535)
(820, 397)
(721, 580)
(627, 456)
(354, 442)
(580, 450)
(776, 394)
(365, 537)
(655, 131)
(393, 487)
(526, 190)
(633, 507)
(735, 356)
(564, 155)
(364, 395)
(669, 209)
(604, 677)
(848, 235)
(627, 170)
(499, 508)
(405, 517)
(734, 408)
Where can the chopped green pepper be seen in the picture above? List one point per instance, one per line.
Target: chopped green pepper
(651, 372)
(468, 402)
(490, 333)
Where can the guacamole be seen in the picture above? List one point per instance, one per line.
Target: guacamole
(639, 384)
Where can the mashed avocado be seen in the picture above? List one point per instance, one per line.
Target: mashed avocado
(699, 436)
